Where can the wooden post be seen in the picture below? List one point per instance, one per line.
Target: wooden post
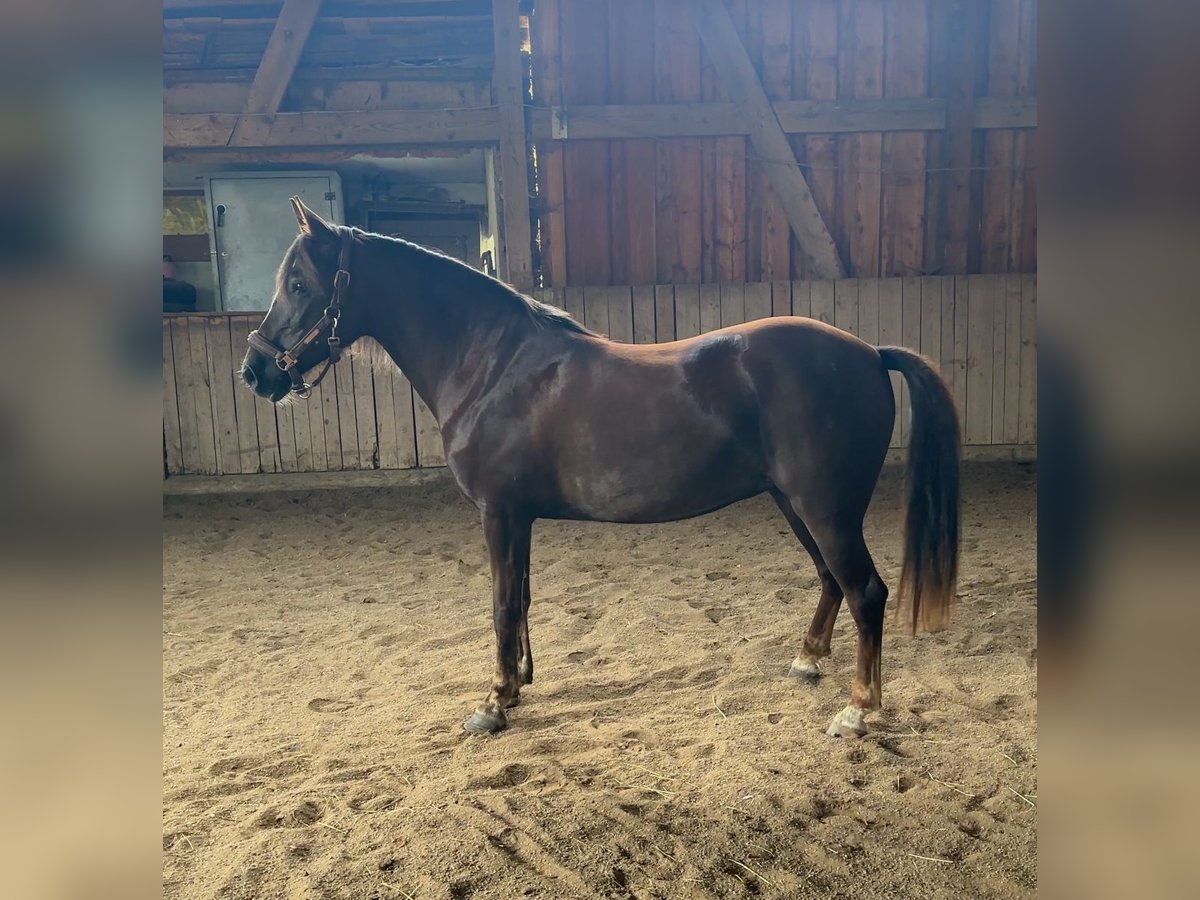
(741, 83)
(279, 62)
(514, 175)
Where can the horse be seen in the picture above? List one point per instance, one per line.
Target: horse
(542, 418)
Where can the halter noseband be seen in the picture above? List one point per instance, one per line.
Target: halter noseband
(288, 360)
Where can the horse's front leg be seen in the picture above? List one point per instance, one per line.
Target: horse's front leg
(508, 538)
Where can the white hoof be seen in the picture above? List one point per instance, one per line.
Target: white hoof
(805, 669)
(848, 723)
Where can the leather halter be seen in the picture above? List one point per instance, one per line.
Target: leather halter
(288, 360)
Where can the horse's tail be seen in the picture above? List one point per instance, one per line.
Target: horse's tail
(930, 567)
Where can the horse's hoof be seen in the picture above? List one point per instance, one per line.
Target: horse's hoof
(805, 670)
(486, 722)
(848, 723)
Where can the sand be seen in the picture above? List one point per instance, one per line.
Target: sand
(322, 649)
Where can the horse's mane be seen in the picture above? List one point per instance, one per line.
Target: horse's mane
(491, 289)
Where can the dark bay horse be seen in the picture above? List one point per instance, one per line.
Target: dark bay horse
(542, 419)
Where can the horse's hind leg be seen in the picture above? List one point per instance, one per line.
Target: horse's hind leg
(846, 553)
(820, 632)
(525, 661)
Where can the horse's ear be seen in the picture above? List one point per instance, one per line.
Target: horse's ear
(310, 223)
(299, 210)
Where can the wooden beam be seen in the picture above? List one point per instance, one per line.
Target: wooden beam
(279, 61)
(334, 129)
(514, 174)
(740, 82)
(667, 120)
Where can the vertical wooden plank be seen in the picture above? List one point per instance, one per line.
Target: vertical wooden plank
(934, 254)
(729, 241)
(710, 307)
(364, 413)
(302, 413)
(631, 80)
(270, 455)
(1023, 256)
(868, 311)
(664, 313)
(394, 416)
(406, 428)
(999, 344)
(860, 73)
(758, 301)
(931, 320)
(573, 304)
(980, 317)
(821, 151)
(325, 408)
(1012, 359)
(171, 431)
(949, 365)
(285, 418)
(584, 35)
(747, 19)
(220, 379)
(643, 314)
(822, 301)
(385, 416)
(620, 314)
(547, 62)
(733, 304)
(249, 453)
(775, 25)
(891, 333)
(343, 376)
(911, 330)
(200, 397)
(317, 430)
(781, 298)
(1027, 391)
(1029, 255)
(687, 311)
(585, 167)
(845, 304)
(903, 196)
(430, 450)
(999, 147)
(508, 94)
(595, 310)
(962, 317)
(802, 298)
(677, 182)
(966, 30)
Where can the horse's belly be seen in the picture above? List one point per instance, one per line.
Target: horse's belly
(643, 481)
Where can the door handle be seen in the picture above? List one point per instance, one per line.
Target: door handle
(220, 215)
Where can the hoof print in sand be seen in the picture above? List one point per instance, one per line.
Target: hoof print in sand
(324, 705)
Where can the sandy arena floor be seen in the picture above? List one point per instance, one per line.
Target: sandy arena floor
(321, 651)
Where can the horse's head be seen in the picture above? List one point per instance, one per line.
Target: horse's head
(307, 323)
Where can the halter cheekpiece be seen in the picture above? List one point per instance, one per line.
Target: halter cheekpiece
(288, 360)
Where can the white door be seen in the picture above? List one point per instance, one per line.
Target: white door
(253, 225)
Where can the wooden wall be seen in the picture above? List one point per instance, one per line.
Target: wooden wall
(979, 329)
(958, 197)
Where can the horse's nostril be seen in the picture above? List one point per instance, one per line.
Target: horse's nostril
(249, 377)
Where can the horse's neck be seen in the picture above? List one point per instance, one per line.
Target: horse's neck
(443, 340)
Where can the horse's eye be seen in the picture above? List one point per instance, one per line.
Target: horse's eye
(297, 287)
